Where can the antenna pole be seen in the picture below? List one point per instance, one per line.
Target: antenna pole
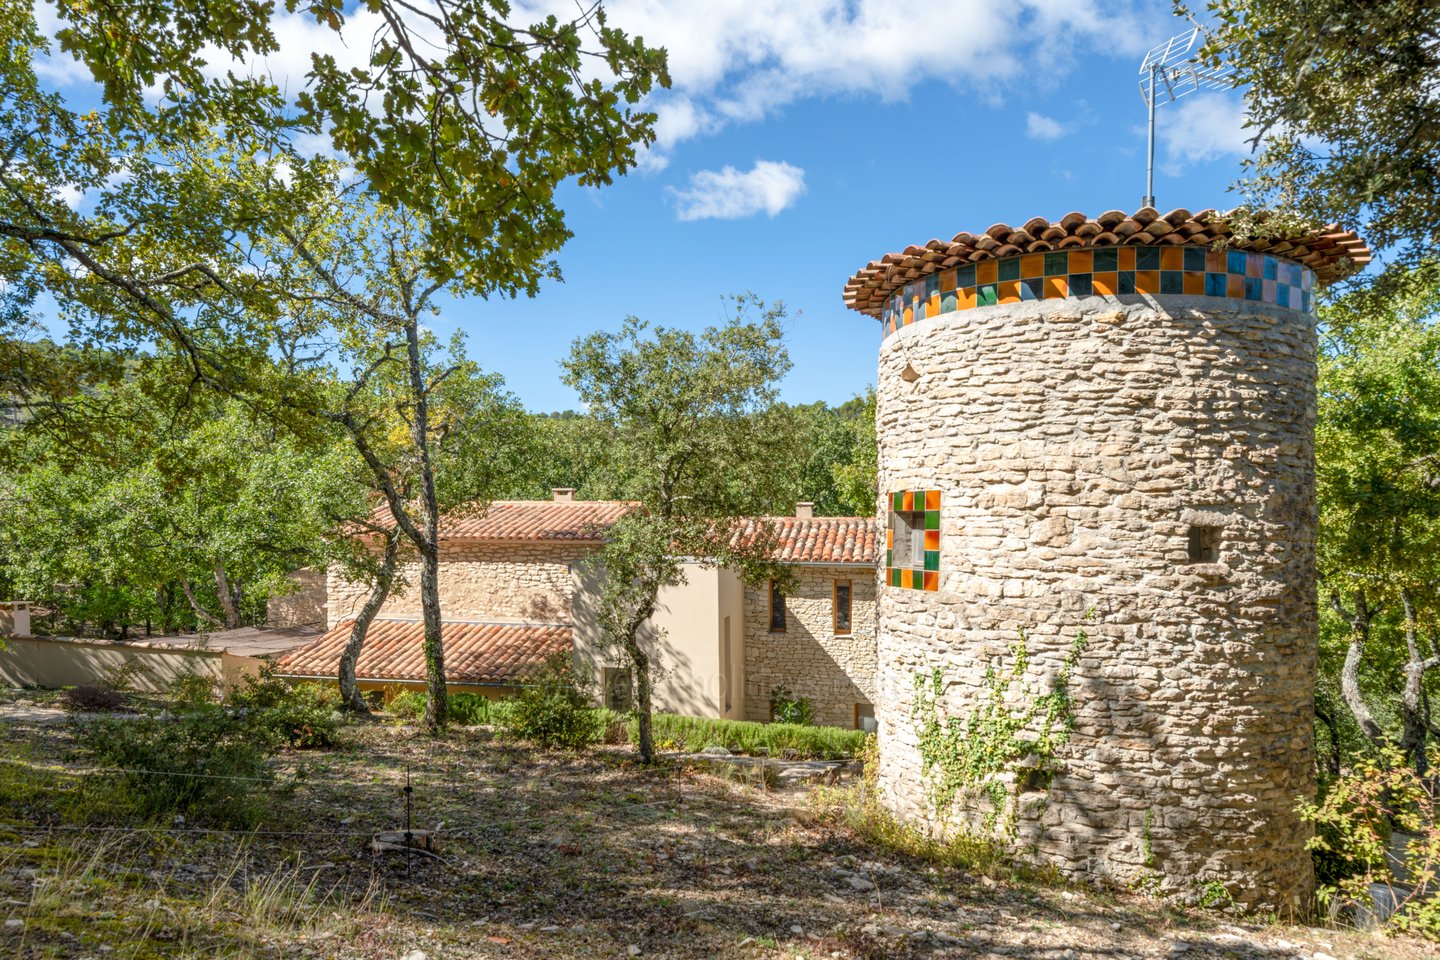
(1149, 199)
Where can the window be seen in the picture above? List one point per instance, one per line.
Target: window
(777, 608)
(842, 608)
(615, 687)
(912, 549)
(865, 717)
(1204, 545)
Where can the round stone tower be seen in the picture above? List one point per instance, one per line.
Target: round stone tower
(1097, 623)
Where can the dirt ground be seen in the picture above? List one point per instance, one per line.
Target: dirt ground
(547, 856)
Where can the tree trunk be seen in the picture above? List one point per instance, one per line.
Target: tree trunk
(640, 662)
(1332, 756)
(350, 697)
(437, 707)
(1415, 728)
(200, 611)
(1350, 673)
(227, 602)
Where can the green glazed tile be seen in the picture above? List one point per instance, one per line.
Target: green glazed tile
(917, 579)
(932, 519)
(1057, 264)
(965, 276)
(1107, 260)
(897, 502)
(1010, 269)
(1195, 259)
(987, 295)
(932, 561)
(948, 303)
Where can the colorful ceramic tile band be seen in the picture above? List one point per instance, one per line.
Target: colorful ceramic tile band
(926, 576)
(1107, 272)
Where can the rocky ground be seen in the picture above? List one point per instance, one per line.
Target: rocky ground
(548, 856)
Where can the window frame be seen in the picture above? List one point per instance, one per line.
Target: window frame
(784, 619)
(849, 607)
(913, 540)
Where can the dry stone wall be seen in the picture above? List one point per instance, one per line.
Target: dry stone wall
(479, 581)
(1076, 443)
(834, 672)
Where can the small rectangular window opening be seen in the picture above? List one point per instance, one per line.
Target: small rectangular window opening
(777, 608)
(842, 607)
(1204, 545)
(865, 717)
(615, 683)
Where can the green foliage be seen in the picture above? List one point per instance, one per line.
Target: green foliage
(554, 709)
(1355, 823)
(1000, 737)
(1340, 99)
(785, 707)
(837, 457)
(302, 715)
(407, 705)
(693, 734)
(209, 763)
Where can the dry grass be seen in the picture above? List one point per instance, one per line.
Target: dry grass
(557, 856)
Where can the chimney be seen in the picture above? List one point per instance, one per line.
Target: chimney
(804, 509)
(563, 494)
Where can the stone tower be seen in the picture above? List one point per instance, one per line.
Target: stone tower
(1097, 623)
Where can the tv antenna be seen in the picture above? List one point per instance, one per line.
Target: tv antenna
(1171, 71)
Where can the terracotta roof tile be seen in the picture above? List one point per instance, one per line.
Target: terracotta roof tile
(508, 520)
(1331, 252)
(474, 652)
(821, 539)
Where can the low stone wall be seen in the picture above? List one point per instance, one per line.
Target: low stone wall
(479, 581)
(834, 673)
(51, 663)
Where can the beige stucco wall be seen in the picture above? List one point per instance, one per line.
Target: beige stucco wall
(1074, 443)
(528, 582)
(52, 663)
(833, 672)
(684, 638)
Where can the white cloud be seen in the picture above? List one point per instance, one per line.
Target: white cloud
(1040, 127)
(729, 194)
(1198, 129)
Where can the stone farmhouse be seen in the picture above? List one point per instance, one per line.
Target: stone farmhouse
(519, 583)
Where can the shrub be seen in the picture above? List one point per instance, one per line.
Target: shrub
(302, 715)
(407, 705)
(193, 689)
(469, 709)
(785, 707)
(208, 762)
(694, 734)
(1354, 843)
(554, 710)
(92, 698)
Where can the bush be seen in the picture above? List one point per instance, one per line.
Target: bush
(469, 709)
(785, 707)
(694, 734)
(92, 698)
(554, 710)
(302, 715)
(1355, 843)
(407, 705)
(208, 762)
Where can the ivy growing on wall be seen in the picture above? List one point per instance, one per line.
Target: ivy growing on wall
(1016, 734)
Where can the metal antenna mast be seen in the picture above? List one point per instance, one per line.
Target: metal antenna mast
(1169, 72)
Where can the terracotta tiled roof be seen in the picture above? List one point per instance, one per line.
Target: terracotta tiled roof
(1331, 252)
(474, 652)
(821, 539)
(553, 520)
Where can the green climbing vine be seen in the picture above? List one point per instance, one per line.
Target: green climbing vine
(972, 754)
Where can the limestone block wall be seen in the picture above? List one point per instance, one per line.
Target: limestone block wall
(304, 606)
(479, 580)
(834, 672)
(1075, 444)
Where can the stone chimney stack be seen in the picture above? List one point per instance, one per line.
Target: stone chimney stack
(563, 494)
(804, 509)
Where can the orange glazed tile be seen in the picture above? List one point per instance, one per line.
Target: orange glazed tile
(1107, 284)
(1127, 258)
(1215, 261)
(934, 307)
(947, 280)
(889, 539)
(909, 317)
(987, 271)
(1147, 281)
(1056, 288)
(1009, 291)
(908, 501)
(932, 539)
(1032, 266)
(1195, 284)
(1081, 261)
(932, 502)
(1172, 258)
(965, 298)
(932, 580)
(1235, 287)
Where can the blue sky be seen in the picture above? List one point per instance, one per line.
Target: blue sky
(799, 143)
